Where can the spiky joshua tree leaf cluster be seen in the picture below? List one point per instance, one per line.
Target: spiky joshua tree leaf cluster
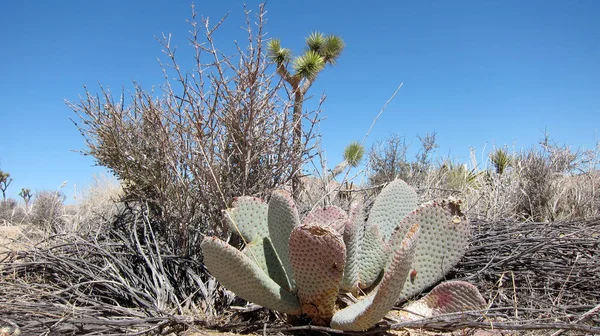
(320, 50)
(302, 267)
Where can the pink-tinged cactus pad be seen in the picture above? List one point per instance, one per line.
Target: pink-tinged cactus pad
(247, 217)
(244, 277)
(331, 217)
(370, 310)
(446, 298)
(392, 205)
(317, 257)
(445, 234)
(282, 219)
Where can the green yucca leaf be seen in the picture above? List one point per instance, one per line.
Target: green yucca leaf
(276, 53)
(315, 41)
(332, 48)
(308, 65)
(353, 153)
(501, 160)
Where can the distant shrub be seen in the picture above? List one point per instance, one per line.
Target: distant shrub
(548, 177)
(47, 211)
(95, 206)
(388, 160)
(11, 213)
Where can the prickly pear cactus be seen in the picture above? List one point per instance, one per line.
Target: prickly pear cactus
(300, 267)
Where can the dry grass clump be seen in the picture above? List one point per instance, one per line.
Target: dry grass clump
(121, 279)
(47, 211)
(536, 271)
(94, 205)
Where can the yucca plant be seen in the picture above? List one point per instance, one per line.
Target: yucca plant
(353, 155)
(501, 160)
(300, 267)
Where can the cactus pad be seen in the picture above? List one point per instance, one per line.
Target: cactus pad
(446, 298)
(367, 312)
(242, 275)
(282, 219)
(395, 202)
(261, 251)
(353, 233)
(332, 217)
(373, 256)
(317, 257)
(247, 217)
(444, 238)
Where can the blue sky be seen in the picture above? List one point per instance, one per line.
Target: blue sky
(478, 73)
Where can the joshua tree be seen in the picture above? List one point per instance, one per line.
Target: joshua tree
(320, 51)
(26, 195)
(5, 181)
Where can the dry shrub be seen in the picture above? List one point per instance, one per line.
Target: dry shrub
(388, 160)
(47, 211)
(539, 170)
(220, 130)
(11, 212)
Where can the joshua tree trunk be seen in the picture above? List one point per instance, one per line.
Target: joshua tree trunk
(298, 150)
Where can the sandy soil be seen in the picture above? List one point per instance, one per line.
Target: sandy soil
(11, 238)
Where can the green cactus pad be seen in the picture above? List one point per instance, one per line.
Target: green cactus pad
(444, 237)
(282, 219)
(261, 251)
(353, 233)
(373, 256)
(248, 217)
(243, 276)
(317, 256)
(446, 298)
(370, 310)
(395, 202)
(332, 217)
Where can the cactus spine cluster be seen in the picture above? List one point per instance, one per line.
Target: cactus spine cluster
(300, 267)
